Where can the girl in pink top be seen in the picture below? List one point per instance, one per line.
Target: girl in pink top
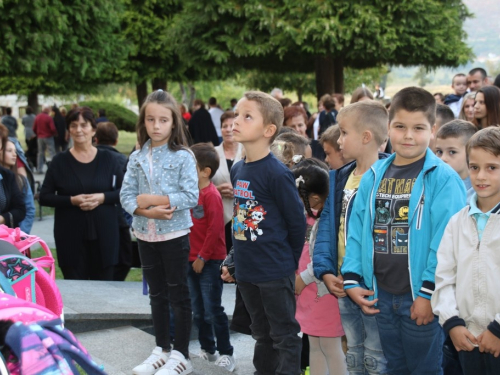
(317, 309)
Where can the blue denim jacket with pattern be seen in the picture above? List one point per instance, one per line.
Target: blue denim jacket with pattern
(174, 174)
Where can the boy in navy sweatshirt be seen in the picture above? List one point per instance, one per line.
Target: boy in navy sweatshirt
(269, 230)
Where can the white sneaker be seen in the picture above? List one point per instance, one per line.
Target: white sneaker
(226, 362)
(177, 364)
(153, 363)
(207, 356)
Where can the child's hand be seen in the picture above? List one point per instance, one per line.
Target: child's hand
(198, 265)
(358, 295)
(334, 284)
(421, 311)
(148, 200)
(161, 212)
(489, 343)
(225, 275)
(462, 339)
(299, 285)
(144, 200)
(225, 190)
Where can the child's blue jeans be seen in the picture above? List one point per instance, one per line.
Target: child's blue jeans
(205, 289)
(364, 351)
(271, 306)
(408, 347)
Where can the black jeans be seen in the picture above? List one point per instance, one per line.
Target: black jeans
(164, 265)
(272, 308)
(475, 362)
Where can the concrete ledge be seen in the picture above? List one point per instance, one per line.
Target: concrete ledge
(97, 305)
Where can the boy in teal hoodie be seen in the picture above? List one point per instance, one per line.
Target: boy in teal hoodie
(402, 207)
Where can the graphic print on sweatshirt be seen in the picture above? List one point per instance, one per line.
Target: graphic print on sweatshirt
(390, 232)
(247, 215)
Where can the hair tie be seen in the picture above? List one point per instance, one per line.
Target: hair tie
(298, 180)
(297, 158)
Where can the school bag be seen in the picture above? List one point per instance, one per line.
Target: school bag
(28, 278)
(33, 341)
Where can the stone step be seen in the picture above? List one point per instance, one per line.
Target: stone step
(97, 305)
(121, 349)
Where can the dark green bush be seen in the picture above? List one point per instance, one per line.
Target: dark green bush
(122, 117)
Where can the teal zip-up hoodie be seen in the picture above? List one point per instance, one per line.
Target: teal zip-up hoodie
(438, 193)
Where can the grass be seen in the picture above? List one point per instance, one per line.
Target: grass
(135, 274)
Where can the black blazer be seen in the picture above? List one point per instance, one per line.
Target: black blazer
(70, 222)
(15, 211)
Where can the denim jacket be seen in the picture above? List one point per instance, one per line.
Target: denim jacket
(174, 174)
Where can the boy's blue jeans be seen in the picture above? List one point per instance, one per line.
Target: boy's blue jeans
(271, 306)
(364, 351)
(408, 347)
(205, 289)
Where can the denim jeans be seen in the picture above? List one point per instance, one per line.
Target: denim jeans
(408, 347)
(164, 267)
(271, 306)
(475, 362)
(43, 144)
(364, 351)
(205, 289)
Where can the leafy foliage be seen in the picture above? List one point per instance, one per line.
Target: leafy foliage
(51, 46)
(122, 117)
(286, 35)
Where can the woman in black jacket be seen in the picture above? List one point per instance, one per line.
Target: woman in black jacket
(12, 207)
(83, 184)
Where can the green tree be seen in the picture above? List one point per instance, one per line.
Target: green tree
(323, 36)
(50, 46)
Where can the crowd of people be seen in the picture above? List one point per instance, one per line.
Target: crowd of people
(333, 224)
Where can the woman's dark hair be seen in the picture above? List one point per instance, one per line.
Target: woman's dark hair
(86, 114)
(4, 137)
(199, 102)
(106, 133)
(293, 111)
(492, 101)
(178, 138)
(226, 115)
(29, 110)
(311, 177)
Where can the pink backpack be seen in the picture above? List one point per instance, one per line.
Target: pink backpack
(28, 278)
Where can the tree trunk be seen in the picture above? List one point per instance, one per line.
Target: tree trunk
(324, 75)
(159, 84)
(184, 94)
(33, 101)
(192, 94)
(299, 93)
(338, 74)
(142, 92)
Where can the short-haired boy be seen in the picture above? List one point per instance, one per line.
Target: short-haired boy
(363, 128)
(269, 231)
(459, 86)
(467, 297)
(450, 143)
(208, 250)
(443, 115)
(402, 206)
(328, 141)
